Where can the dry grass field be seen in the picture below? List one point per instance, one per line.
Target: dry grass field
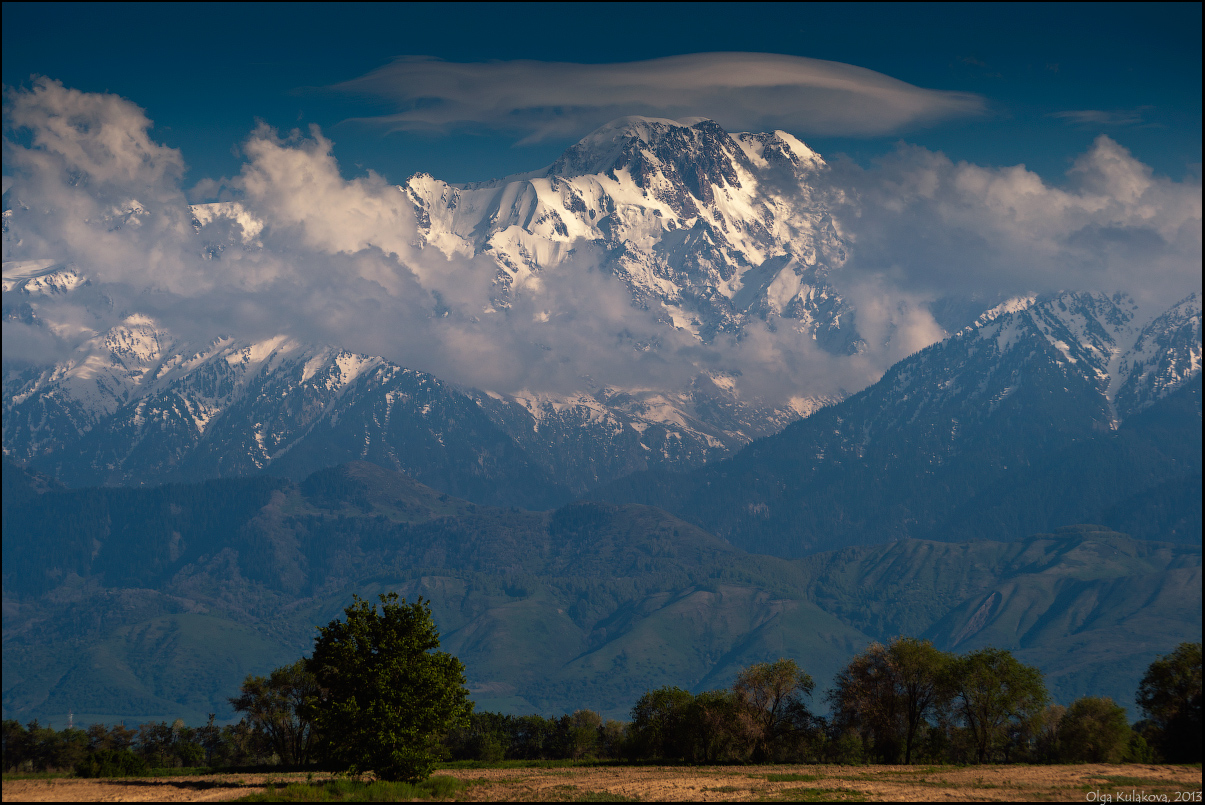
(1084, 783)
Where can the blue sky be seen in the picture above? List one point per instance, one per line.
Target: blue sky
(1049, 77)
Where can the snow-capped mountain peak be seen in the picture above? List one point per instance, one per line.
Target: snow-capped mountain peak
(1165, 353)
(708, 229)
(1092, 337)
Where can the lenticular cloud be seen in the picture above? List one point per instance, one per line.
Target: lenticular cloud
(741, 91)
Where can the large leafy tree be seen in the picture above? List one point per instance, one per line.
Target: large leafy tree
(385, 692)
(661, 724)
(1170, 696)
(921, 683)
(1093, 730)
(717, 724)
(275, 704)
(993, 693)
(887, 693)
(772, 697)
(864, 700)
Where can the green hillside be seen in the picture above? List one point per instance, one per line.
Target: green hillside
(139, 603)
(1089, 606)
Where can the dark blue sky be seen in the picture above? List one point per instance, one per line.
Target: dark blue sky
(206, 73)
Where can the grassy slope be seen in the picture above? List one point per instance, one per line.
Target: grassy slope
(1089, 606)
(584, 607)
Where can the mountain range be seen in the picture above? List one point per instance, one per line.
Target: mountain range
(585, 606)
(1044, 413)
(708, 230)
(180, 513)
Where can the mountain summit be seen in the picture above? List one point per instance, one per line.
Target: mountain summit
(708, 231)
(711, 229)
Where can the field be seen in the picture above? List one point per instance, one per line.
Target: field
(1096, 783)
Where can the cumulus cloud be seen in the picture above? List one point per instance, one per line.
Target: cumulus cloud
(297, 250)
(296, 182)
(920, 222)
(741, 91)
(98, 135)
(91, 182)
(300, 250)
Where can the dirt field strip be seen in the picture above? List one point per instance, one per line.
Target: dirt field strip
(200, 788)
(854, 783)
(1087, 783)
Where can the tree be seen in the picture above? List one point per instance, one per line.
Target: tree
(276, 706)
(919, 676)
(887, 693)
(484, 737)
(384, 692)
(579, 734)
(1170, 696)
(993, 691)
(1046, 739)
(771, 695)
(534, 737)
(716, 725)
(660, 724)
(17, 745)
(1093, 730)
(865, 701)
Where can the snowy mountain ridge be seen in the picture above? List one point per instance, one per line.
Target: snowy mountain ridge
(1132, 363)
(708, 228)
(136, 404)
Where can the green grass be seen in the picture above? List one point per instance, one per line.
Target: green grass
(437, 787)
(792, 778)
(1122, 780)
(525, 764)
(814, 795)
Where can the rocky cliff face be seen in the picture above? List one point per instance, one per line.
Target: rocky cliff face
(710, 229)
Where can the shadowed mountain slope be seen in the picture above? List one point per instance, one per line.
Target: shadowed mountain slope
(157, 602)
(1029, 420)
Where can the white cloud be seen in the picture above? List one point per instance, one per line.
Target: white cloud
(296, 182)
(741, 91)
(927, 224)
(333, 261)
(98, 135)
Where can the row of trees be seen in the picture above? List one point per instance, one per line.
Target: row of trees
(896, 703)
(377, 694)
(121, 751)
